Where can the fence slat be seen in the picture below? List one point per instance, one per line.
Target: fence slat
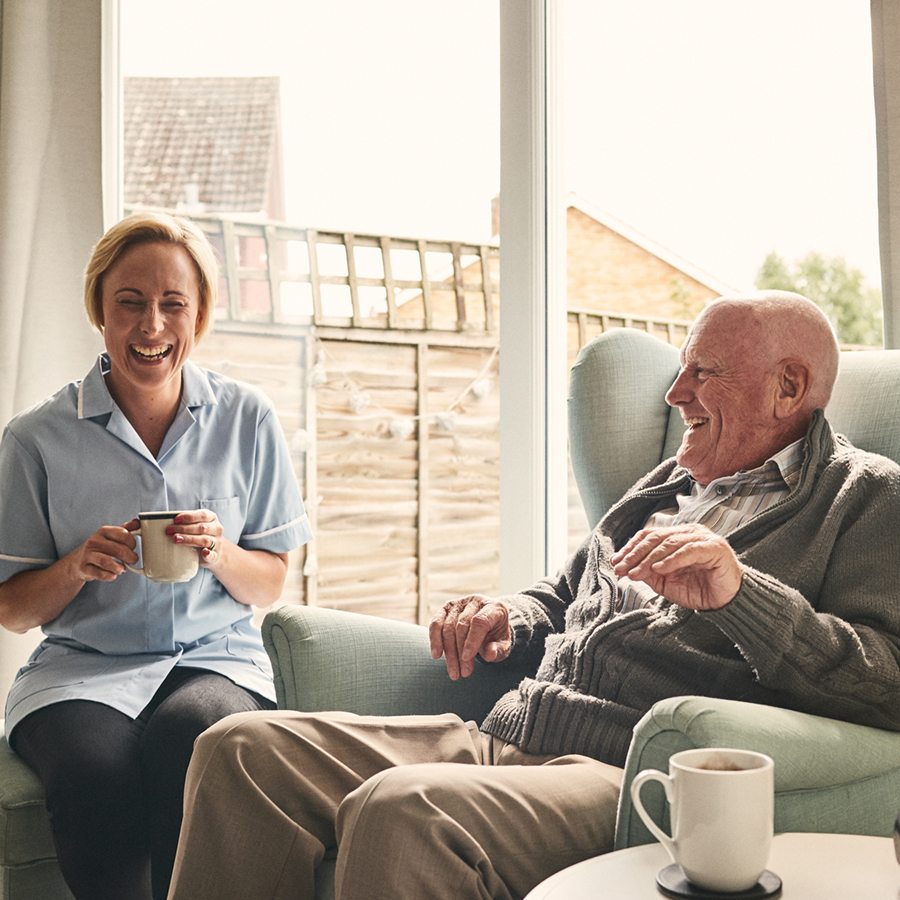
(422, 430)
(389, 285)
(456, 252)
(352, 280)
(428, 306)
(314, 280)
(229, 239)
(487, 287)
(273, 268)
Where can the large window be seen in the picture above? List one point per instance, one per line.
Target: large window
(704, 137)
(344, 158)
(361, 279)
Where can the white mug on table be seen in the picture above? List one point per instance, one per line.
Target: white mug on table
(722, 805)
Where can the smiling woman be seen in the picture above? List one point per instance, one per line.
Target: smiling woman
(150, 290)
(131, 671)
(150, 307)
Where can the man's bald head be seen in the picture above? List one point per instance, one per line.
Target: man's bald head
(754, 368)
(785, 325)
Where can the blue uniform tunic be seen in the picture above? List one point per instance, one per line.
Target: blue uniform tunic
(72, 464)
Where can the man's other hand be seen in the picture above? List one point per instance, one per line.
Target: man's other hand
(467, 627)
(687, 564)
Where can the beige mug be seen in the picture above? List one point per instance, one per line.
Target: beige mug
(165, 561)
(721, 804)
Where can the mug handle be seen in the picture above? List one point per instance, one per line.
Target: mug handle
(137, 533)
(639, 781)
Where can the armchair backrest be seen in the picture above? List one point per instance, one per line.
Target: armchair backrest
(620, 426)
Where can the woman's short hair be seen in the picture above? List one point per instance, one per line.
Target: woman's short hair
(152, 228)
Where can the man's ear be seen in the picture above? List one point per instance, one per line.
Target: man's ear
(792, 387)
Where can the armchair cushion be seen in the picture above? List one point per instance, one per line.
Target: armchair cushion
(620, 428)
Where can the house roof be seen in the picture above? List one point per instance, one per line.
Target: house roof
(642, 241)
(212, 141)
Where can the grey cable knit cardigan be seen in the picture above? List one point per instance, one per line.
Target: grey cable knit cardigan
(815, 625)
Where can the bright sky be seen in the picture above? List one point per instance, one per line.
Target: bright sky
(721, 129)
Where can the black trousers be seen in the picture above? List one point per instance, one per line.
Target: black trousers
(115, 785)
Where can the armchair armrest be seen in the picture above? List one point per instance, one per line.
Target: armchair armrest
(830, 776)
(326, 659)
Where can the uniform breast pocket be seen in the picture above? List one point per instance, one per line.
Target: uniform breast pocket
(230, 513)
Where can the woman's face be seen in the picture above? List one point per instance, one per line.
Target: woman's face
(151, 305)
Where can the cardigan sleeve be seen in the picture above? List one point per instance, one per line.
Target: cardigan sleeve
(834, 650)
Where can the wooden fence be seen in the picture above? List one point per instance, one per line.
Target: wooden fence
(382, 357)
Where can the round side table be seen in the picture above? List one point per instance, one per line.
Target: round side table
(811, 867)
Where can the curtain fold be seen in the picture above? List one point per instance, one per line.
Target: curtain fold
(50, 209)
(886, 65)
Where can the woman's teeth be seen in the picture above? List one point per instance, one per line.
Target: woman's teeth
(151, 352)
(696, 421)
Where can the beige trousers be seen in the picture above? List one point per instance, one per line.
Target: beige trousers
(415, 808)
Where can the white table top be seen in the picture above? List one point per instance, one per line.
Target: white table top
(810, 866)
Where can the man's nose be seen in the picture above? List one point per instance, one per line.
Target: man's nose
(679, 392)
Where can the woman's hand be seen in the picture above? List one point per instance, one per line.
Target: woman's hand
(252, 577)
(203, 530)
(102, 556)
(33, 598)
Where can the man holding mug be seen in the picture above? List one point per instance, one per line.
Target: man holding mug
(759, 564)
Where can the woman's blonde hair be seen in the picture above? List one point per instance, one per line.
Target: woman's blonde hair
(152, 228)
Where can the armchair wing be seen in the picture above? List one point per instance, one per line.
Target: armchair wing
(830, 776)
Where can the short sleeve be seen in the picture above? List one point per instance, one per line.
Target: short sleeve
(276, 519)
(26, 541)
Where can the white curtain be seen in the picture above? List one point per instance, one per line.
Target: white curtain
(886, 61)
(50, 210)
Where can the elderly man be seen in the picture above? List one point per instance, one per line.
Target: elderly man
(757, 565)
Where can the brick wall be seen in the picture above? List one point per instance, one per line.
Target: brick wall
(608, 272)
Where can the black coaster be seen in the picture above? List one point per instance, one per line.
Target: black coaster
(673, 883)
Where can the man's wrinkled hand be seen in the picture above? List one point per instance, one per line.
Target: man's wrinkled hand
(687, 564)
(469, 627)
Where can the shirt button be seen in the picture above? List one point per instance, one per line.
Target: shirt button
(721, 490)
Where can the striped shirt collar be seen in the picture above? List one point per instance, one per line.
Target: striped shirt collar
(783, 466)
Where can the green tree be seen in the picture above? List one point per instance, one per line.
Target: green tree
(853, 307)
(687, 306)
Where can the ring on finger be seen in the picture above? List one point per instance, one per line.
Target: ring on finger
(212, 546)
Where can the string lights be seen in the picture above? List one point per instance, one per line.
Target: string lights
(399, 427)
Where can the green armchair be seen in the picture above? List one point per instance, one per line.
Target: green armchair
(829, 776)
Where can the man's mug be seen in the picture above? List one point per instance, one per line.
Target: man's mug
(722, 807)
(164, 560)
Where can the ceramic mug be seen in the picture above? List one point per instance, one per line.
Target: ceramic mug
(721, 805)
(164, 560)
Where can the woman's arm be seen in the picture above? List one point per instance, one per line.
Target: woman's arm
(252, 577)
(33, 598)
